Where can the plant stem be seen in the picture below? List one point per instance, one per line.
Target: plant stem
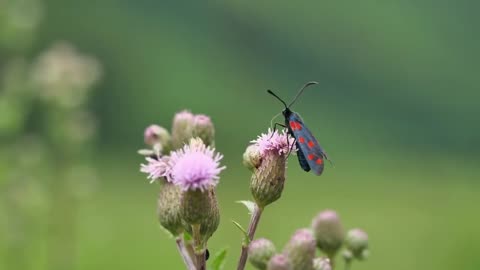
(348, 263)
(199, 247)
(184, 253)
(252, 227)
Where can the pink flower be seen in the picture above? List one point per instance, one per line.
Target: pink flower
(156, 168)
(195, 166)
(274, 142)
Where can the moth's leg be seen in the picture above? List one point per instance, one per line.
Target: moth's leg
(275, 128)
(290, 147)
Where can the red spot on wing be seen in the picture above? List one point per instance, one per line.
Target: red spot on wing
(301, 139)
(319, 161)
(311, 144)
(295, 125)
(311, 156)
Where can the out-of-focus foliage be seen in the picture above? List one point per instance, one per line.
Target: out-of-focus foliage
(397, 111)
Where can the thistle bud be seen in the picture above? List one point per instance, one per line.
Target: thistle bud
(279, 262)
(200, 208)
(328, 232)
(203, 128)
(155, 134)
(301, 250)
(182, 129)
(357, 243)
(260, 251)
(268, 176)
(168, 208)
(322, 264)
(252, 157)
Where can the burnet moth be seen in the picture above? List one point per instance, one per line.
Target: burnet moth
(310, 154)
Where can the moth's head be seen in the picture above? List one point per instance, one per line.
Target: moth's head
(286, 112)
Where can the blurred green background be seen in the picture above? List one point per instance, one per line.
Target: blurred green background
(397, 109)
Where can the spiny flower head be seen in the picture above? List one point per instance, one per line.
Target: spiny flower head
(195, 166)
(274, 142)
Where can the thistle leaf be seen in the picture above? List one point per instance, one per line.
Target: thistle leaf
(250, 206)
(246, 239)
(218, 261)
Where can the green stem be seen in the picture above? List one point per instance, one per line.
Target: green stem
(199, 247)
(252, 227)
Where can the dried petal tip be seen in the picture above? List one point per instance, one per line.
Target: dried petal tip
(260, 251)
(252, 157)
(195, 166)
(182, 128)
(357, 243)
(328, 232)
(203, 128)
(322, 264)
(301, 250)
(279, 262)
(156, 134)
(274, 142)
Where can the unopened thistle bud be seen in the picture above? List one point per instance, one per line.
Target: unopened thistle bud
(168, 208)
(155, 134)
(328, 232)
(252, 157)
(357, 243)
(200, 208)
(268, 176)
(301, 250)
(182, 129)
(279, 262)
(203, 128)
(260, 251)
(322, 264)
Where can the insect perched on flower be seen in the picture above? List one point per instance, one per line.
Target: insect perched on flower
(310, 154)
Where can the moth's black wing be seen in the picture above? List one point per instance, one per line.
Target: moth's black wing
(302, 160)
(309, 151)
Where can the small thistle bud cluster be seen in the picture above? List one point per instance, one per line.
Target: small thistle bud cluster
(266, 158)
(188, 168)
(299, 253)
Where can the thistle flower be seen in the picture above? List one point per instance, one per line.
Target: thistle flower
(203, 129)
(267, 159)
(274, 142)
(328, 232)
(357, 242)
(260, 251)
(195, 166)
(301, 250)
(279, 262)
(182, 128)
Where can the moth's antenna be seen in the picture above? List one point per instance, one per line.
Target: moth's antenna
(273, 94)
(301, 91)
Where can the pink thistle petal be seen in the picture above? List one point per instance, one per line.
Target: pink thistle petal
(274, 142)
(156, 168)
